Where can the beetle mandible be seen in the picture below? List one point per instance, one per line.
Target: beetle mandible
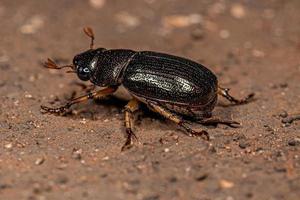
(172, 86)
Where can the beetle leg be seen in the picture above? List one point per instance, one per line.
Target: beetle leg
(130, 108)
(91, 95)
(215, 121)
(177, 119)
(225, 93)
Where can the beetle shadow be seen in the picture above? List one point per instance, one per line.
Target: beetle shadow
(98, 108)
(111, 101)
(111, 105)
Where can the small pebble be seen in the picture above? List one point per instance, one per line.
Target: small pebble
(201, 177)
(226, 184)
(283, 114)
(173, 179)
(283, 85)
(97, 3)
(197, 34)
(62, 179)
(181, 21)
(294, 142)
(62, 166)
(34, 24)
(32, 78)
(258, 53)
(8, 146)
(237, 11)
(224, 34)
(77, 154)
(105, 158)
(290, 119)
(128, 19)
(268, 128)
(166, 150)
(39, 161)
(83, 121)
(28, 96)
(243, 144)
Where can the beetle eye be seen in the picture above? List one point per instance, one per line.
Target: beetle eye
(83, 73)
(86, 70)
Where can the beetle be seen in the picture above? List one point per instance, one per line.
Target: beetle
(177, 88)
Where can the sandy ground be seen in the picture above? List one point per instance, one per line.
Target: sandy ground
(253, 46)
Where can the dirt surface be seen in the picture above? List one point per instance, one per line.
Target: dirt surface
(253, 46)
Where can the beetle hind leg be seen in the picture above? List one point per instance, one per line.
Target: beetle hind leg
(130, 108)
(175, 118)
(225, 93)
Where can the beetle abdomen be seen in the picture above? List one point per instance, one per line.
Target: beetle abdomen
(166, 78)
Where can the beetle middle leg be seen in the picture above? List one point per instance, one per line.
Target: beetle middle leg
(178, 120)
(225, 93)
(91, 95)
(130, 108)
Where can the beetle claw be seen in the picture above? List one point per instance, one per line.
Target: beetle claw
(129, 140)
(203, 134)
(250, 97)
(59, 110)
(225, 93)
(215, 121)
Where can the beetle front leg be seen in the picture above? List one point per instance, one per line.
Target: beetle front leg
(225, 93)
(91, 95)
(175, 118)
(130, 108)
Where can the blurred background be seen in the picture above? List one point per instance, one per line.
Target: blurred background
(252, 46)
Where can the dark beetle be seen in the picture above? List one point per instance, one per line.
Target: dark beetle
(172, 86)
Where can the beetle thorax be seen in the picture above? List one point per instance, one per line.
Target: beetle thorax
(109, 65)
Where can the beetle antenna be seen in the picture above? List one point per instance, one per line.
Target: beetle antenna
(90, 33)
(52, 65)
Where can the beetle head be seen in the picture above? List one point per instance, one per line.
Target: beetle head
(86, 62)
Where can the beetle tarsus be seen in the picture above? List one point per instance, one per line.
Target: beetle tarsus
(192, 133)
(59, 111)
(215, 121)
(129, 140)
(225, 93)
